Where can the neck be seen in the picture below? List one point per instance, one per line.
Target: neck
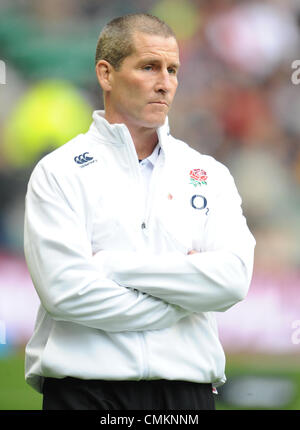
(144, 138)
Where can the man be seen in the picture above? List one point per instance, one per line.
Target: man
(131, 258)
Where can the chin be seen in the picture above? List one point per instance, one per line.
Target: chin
(155, 121)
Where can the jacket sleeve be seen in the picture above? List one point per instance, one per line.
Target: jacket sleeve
(71, 288)
(212, 280)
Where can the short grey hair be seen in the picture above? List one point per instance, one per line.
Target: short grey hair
(116, 39)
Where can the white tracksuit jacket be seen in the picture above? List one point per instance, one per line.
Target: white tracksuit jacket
(120, 297)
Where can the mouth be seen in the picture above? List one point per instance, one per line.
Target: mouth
(162, 103)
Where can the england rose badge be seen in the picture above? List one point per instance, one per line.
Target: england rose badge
(198, 177)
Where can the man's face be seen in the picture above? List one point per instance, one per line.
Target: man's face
(142, 90)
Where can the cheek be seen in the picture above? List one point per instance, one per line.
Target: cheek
(174, 88)
(125, 97)
(141, 88)
(135, 92)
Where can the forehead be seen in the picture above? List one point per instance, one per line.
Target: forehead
(150, 44)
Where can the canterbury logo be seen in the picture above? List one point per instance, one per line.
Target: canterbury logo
(82, 158)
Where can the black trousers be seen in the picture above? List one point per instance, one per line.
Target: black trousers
(78, 394)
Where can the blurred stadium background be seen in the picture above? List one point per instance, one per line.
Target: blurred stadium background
(236, 101)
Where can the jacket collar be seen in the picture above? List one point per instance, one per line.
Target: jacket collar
(152, 158)
(119, 133)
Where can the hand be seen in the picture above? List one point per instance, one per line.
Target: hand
(192, 251)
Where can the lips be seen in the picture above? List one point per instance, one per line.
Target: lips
(160, 102)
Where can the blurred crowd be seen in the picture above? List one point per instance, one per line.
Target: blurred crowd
(236, 100)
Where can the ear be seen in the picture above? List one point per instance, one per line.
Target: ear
(104, 74)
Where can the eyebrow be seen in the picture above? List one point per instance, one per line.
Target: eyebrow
(152, 60)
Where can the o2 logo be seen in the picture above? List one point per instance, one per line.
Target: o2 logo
(295, 78)
(199, 202)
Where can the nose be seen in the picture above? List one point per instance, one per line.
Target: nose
(164, 82)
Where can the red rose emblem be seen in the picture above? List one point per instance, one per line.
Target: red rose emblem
(198, 175)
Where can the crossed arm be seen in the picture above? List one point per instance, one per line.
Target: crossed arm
(116, 291)
(211, 280)
(70, 284)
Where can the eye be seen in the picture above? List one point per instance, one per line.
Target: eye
(148, 67)
(172, 70)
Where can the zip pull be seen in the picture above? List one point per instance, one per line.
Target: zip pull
(143, 226)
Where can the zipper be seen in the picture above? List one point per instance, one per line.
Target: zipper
(135, 169)
(150, 200)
